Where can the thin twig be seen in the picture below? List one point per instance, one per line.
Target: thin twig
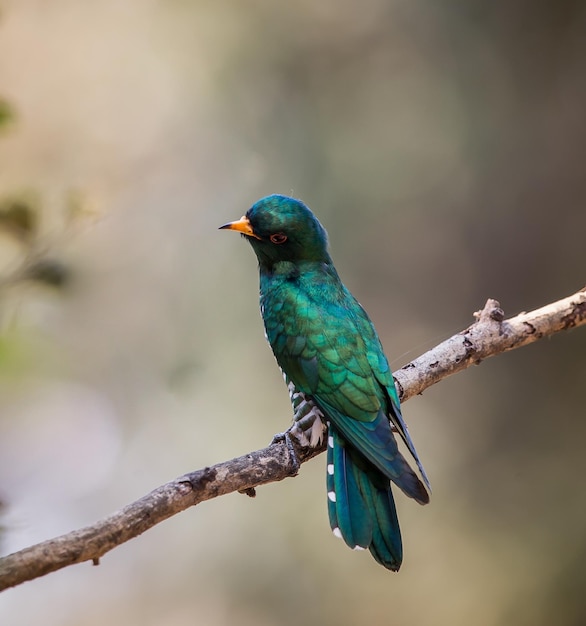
(490, 335)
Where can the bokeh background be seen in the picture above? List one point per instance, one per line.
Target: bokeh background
(443, 145)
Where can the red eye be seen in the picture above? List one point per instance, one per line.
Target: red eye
(278, 238)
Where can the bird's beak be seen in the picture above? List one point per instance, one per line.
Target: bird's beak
(242, 226)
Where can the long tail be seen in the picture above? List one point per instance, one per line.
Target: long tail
(361, 507)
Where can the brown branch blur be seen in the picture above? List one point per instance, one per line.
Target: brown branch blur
(490, 335)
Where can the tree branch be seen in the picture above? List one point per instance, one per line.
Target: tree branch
(490, 335)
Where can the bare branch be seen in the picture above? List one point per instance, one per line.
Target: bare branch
(488, 336)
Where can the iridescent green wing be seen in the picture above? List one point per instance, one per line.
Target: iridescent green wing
(384, 376)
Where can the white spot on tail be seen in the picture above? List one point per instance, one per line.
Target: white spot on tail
(330, 469)
(332, 496)
(337, 532)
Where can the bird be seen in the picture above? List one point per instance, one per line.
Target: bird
(337, 375)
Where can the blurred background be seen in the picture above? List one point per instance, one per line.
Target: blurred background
(442, 144)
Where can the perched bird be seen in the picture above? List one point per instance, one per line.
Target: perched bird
(337, 373)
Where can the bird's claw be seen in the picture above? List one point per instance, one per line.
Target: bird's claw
(286, 437)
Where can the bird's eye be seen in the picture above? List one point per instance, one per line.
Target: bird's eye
(278, 238)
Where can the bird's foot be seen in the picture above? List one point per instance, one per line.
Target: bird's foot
(286, 438)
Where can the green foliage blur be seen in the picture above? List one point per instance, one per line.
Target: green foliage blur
(442, 144)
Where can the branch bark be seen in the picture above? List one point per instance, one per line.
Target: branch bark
(490, 335)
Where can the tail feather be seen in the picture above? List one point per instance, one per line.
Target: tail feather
(386, 546)
(348, 509)
(375, 441)
(361, 507)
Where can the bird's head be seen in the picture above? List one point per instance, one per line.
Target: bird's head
(282, 229)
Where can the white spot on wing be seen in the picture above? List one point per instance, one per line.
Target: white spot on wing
(330, 441)
(332, 496)
(337, 533)
(358, 548)
(330, 469)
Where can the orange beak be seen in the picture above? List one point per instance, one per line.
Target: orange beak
(242, 226)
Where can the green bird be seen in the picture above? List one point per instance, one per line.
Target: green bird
(337, 374)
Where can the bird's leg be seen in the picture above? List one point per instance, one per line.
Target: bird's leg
(308, 419)
(309, 428)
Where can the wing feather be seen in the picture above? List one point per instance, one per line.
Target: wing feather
(330, 350)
